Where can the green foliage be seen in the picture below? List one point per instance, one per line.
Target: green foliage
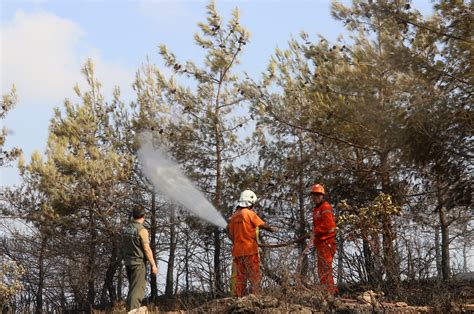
(358, 222)
(372, 105)
(10, 284)
(7, 103)
(83, 164)
(204, 132)
(83, 183)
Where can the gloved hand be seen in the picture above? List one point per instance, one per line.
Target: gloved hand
(274, 229)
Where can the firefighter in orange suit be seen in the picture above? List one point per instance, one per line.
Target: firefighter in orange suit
(323, 237)
(242, 230)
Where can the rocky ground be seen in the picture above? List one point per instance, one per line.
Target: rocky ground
(364, 304)
(300, 300)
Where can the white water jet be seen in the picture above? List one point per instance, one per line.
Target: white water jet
(167, 177)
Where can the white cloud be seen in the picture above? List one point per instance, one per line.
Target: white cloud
(38, 55)
(42, 54)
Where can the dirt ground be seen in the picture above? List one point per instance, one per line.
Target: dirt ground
(270, 304)
(304, 301)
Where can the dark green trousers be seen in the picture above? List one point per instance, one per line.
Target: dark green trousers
(136, 275)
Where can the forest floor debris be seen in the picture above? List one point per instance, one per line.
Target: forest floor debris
(293, 300)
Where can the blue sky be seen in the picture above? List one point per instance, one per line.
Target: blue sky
(45, 43)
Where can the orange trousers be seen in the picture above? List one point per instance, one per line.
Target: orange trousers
(247, 268)
(325, 251)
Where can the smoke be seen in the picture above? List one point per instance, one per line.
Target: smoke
(168, 178)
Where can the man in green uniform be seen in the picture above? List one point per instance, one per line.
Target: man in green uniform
(136, 250)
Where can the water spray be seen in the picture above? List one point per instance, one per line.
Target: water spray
(167, 177)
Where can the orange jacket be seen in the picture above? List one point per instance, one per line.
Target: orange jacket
(324, 222)
(242, 231)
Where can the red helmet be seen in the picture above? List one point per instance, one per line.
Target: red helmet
(318, 188)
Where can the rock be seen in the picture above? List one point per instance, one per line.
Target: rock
(401, 304)
(254, 303)
(370, 297)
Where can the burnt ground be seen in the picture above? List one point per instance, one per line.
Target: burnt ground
(413, 297)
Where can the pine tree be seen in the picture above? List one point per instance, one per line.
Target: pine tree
(436, 55)
(85, 179)
(204, 135)
(355, 105)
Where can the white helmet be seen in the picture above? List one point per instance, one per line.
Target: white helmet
(247, 198)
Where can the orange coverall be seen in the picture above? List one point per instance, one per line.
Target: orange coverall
(324, 229)
(242, 231)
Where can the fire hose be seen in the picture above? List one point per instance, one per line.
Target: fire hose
(306, 235)
(300, 281)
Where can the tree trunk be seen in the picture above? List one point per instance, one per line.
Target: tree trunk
(465, 250)
(389, 257)
(340, 259)
(368, 262)
(410, 263)
(170, 269)
(119, 280)
(39, 292)
(153, 230)
(438, 252)
(372, 259)
(301, 210)
(217, 261)
(186, 261)
(62, 299)
(110, 273)
(218, 196)
(176, 284)
(443, 219)
(217, 232)
(91, 263)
